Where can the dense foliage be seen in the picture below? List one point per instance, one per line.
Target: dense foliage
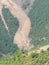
(31, 58)
(6, 42)
(39, 16)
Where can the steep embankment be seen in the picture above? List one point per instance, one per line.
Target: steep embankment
(21, 36)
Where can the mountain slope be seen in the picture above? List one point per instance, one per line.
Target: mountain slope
(39, 16)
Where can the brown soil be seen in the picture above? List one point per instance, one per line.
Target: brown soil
(21, 36)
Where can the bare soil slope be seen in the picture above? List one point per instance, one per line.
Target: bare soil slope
(21, 36)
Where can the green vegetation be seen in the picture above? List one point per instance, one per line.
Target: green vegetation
(26, 4)
(6, 43)
(20, 58)
(11, 21)
(39, 16)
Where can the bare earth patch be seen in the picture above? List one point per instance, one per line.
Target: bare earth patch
(21, 36)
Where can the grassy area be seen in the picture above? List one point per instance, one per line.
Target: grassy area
(39, 16)
(20, 58)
